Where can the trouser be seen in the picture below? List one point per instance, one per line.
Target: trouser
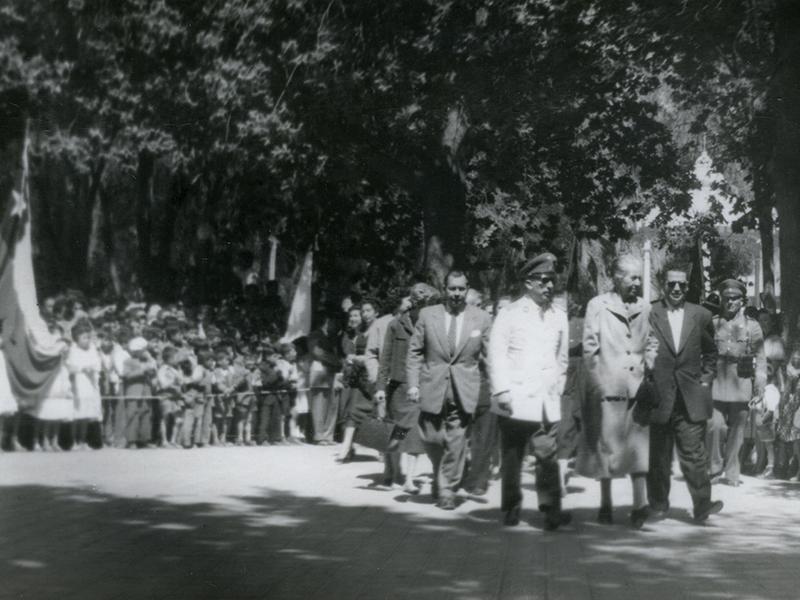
(516, 436)
(445, 439)
(733, 416)
(324, 411)
(688, 438)
(138, 421)
(206, 420)
(270, 420)
(191, 428)
(483, 434)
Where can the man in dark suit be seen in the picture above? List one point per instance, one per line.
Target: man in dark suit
(684, 369)
(443, 375)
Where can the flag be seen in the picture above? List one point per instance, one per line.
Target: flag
(32, 353)
(299, 322)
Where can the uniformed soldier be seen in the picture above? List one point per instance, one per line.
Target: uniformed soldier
(528, 358)
(741, 378)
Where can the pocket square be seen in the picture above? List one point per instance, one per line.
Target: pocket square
(475, 333)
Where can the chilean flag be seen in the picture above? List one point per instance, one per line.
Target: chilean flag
(32, 353)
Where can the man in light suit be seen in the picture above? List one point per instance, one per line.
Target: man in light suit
(528, 359)
(683, 372)
(443, 374)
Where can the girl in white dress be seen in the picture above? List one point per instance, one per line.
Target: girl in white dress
(84, 365)
(56, 407)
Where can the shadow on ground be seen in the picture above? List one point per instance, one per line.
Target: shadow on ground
(279, 545)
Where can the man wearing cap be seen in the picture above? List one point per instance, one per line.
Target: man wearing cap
(443, 375)
(528, 358)
(741, 377)
(684, 369)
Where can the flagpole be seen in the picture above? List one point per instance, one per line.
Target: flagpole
(646, 292)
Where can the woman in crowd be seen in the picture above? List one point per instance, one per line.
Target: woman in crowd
(56, 407)
(788, 429)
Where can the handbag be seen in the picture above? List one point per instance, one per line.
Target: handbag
(375, 433)
(645, 401)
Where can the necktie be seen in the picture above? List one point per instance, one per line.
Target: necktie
(451, 335)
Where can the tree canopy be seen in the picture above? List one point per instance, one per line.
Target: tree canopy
(399, 137)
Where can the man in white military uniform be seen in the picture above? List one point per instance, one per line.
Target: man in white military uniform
(528, 358)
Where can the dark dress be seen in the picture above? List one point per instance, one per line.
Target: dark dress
(356, 400)
(392, 379)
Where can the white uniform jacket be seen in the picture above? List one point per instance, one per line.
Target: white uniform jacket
(528, 357)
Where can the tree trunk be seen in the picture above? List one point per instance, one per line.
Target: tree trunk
(107, 237)
(144, 181)
(786, 174)
(444, 214)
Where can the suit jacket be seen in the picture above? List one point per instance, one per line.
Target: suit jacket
(432, 369)
(617, 344)
(395, 351)
(688, 364)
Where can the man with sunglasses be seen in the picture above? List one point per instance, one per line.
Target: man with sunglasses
(683, 371)
(741, 377)
(528, 358)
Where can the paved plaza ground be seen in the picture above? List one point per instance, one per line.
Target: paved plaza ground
(287, 522)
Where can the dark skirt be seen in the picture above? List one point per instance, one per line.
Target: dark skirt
(405, 414)
(355, 406)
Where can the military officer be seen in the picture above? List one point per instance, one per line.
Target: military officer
(528, 358)
(741, 377)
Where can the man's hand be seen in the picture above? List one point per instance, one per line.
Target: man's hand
(413, 394)
(503, 400)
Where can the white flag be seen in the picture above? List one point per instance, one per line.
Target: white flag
(299, 323)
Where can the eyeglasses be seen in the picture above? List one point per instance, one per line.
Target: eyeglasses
(544, 280)
(678, 284)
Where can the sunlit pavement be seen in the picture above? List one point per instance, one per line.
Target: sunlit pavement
(287, 522)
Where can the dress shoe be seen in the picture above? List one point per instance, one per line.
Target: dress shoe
(411, 488)
(659, 510)
(511, 517)
(555, 518)
(477, 491)
(712, 508)
(447, 503)
(639, 516)
(605, 516)
(730, 482)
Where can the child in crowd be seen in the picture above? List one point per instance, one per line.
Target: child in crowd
(767, 408)
(170, 382)
(301, 406)
(223, 389)
(58, 404)
(287, 366)
(248, 403)
(789, 419)
(112, 358)
(194, 398)
(83, 363)
(138, 381)
(205, 359)
(270, 419)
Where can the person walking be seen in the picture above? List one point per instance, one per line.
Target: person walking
(443, 375)
(684, 369)
(617, 348)
(528, 358)
(740, 379)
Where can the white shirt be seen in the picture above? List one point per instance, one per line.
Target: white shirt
(459, 323)
(675, 316)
